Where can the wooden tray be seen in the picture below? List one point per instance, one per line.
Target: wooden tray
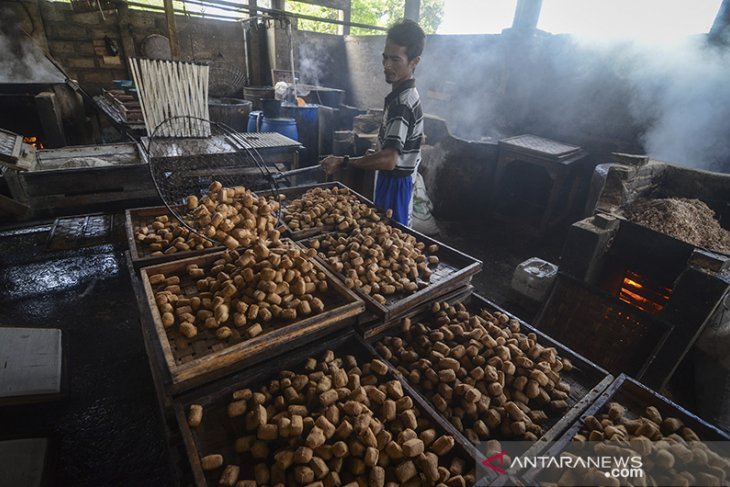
(297, 191)
(586, 379)
(206, 357)
(217, 432)
(454, 270)
(140, 254)
(635, 397)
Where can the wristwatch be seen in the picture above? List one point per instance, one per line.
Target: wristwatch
(345, 162)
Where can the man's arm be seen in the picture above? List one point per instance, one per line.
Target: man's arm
(383, 160)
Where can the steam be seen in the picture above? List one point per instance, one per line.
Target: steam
(682, 97)
(671, 102)
(21, 61)
(315, 60)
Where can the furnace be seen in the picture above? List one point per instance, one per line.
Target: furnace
(665, 285)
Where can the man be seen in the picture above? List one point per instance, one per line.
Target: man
(402, 128)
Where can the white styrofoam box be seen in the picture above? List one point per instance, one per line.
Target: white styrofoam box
(533, 277)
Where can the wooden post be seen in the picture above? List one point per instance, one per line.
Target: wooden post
(527, 13)
(172, 29)
(720, 25)
(412, 10)
(125, 31)
(346, 17)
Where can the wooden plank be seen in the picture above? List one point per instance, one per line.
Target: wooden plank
(635, 397)
(32, 363)
(217, 432)
(11, 206)
(587, 380)
(342, 307)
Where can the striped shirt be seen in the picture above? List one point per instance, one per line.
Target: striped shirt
(402, 127)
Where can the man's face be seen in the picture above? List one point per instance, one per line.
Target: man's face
(396, 66)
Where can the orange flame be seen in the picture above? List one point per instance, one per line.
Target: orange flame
(33, 141)
(635, 292)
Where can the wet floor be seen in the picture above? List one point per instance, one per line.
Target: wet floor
(106, 430)
(501, 249)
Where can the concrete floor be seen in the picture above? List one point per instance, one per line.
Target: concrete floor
(107, 430)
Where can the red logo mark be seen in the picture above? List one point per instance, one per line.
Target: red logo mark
(498, 456)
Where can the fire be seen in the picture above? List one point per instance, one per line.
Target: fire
(33, 141)
(632, 283)
(639, 292)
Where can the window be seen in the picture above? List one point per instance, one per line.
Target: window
(380, 13)
(477, 16)
(315, 11)
(644, 20)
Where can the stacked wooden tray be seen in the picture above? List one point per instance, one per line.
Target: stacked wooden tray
(141, 255)
(635, 397)
(126, 104)
(295, 192)
(218, 433)
(453, 271)
(191, 362)
(587, 380)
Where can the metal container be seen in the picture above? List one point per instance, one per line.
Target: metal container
(256, 93)
(230, 111)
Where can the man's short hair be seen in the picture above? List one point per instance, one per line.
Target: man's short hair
(408, 34)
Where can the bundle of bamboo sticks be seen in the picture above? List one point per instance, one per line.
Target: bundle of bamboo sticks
(175, 93)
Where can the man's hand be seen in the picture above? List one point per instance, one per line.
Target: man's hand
(331, 164)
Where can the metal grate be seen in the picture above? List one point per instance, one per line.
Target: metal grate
(533, 143)
(611, 333)
(80, 231)
(183, 167)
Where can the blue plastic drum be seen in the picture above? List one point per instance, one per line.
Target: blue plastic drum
(254, 121)
(284, 126)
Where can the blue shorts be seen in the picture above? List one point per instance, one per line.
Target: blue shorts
(394, 194)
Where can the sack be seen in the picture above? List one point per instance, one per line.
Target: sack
(421, 218)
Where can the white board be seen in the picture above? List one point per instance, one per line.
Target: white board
(31, 361)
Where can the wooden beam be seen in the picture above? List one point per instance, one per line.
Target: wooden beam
(125, 31)
(172, 29)
(338, 4)
(719, 26)
(346, 17)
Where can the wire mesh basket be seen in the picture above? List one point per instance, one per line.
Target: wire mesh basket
(184, 167)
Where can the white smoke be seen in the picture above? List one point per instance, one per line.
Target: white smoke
(682, 97)
(21, 61)
(315, 61)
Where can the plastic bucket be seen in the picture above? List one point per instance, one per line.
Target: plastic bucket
(230, 111)
(254, 121)
(285, 126)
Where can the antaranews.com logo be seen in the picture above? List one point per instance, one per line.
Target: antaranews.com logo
(617, 467)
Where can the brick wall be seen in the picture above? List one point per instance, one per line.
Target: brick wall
(76, 40)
